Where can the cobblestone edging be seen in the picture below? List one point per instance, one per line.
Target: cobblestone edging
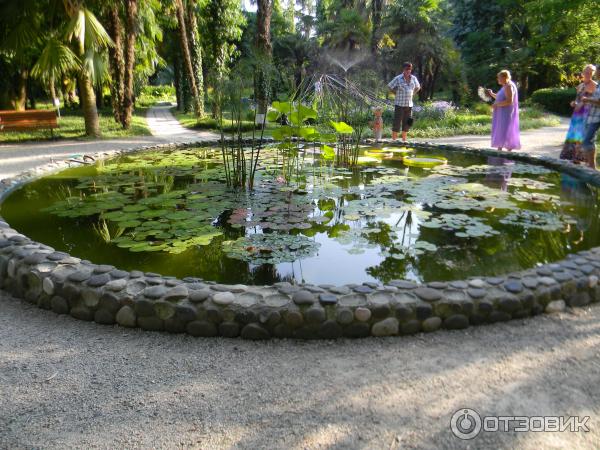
(102, 293)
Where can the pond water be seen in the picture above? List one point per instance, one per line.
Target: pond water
(172, 213)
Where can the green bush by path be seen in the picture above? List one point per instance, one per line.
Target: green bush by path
(156, 94)
(71, 125)
(555, 100)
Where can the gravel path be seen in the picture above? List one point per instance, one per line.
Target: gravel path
(541, 141)
(71, 384)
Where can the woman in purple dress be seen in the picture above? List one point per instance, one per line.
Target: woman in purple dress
(505, 119)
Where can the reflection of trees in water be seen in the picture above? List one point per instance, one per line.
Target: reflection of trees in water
(387, 240)
(458, 258)
(584, 199)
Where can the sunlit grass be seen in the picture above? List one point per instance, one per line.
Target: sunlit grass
(458, 123)
(466, 122)
(72, 126)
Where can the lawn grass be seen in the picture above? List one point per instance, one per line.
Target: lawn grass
(460, 122)
(72, 126)
(466, 122)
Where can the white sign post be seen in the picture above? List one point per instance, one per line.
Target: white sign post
(56, 102)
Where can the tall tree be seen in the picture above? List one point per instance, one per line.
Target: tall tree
(187, 57)
(222, 22)
(376, 20)
(195, 51)
(116, 59)
(131, 14)
(264, 53)
(81, 53)
(90, 38)
(22, 28)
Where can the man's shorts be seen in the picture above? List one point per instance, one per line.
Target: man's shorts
(589, 139)
(402, 118)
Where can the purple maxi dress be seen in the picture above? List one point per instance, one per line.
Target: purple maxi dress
(505, 121)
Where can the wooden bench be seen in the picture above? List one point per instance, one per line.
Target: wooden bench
(32, 119)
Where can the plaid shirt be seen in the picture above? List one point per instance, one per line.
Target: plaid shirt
(404, 90)
(594, 114)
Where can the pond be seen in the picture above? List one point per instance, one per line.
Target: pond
(171, 212)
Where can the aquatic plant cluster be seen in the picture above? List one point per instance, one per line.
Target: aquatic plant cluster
(178, 201)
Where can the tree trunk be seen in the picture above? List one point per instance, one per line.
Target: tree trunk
(99, 99)
(176, 81)
(264, 52)
(52, 90)
(20, 99)
(524, 86)
(131, 11)
(87, 99)
(187, 59)
(195, 53)
(117, 64)
(376, 9)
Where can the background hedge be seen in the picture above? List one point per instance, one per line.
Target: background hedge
(555, 100)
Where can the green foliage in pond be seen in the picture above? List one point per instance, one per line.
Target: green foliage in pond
(270, 248)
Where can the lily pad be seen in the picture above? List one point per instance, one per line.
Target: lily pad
(424, 161)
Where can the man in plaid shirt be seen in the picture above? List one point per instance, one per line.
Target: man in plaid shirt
(591, 128)
(404, 86)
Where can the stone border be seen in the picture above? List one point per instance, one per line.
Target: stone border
(102, 293)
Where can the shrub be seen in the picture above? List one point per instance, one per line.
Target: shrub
(482, 108)
(209, 123)
(153, 94)
(555, 100)
(165, 90)
(435, 110)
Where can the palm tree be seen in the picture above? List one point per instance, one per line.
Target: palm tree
(195, 51)
(85, 59)
(131, 12)
(117, 61)
(264, 56)
(187, 58)
(21, 25)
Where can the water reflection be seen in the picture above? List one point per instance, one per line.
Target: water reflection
(498, 178)
(576, 194)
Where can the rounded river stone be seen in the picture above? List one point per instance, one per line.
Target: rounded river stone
(201, 328)
(315, 315)
(556, 306)
(98, 280)
(456, 322)
(386, 327)
(303, 297)
(432, 324)
(223, 298)
(294, 318)
(255, 331)
(229, 329)
(362, 314)
(59, 305)
(428, 294)
(330, 330)
(126, 317)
